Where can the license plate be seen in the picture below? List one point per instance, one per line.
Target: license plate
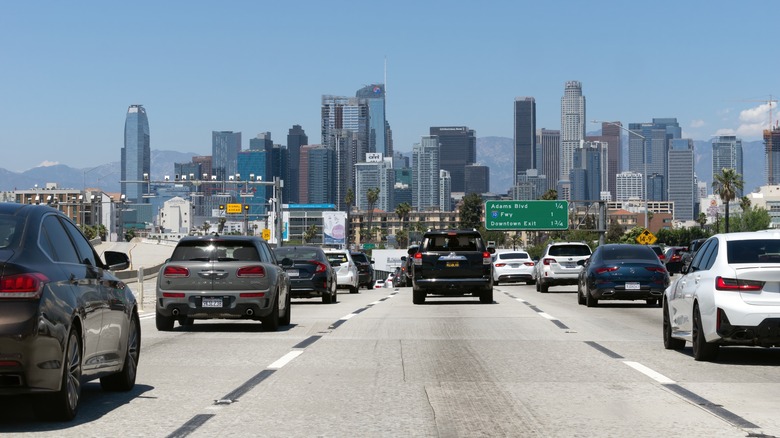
(292, 272)
(514, 265)
(632, 286)
(453, 264)
(211, 302)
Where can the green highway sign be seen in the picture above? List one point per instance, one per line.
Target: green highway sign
(369, 246)
(527, 215)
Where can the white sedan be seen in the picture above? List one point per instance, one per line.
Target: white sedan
(513, 266)
(729, 295)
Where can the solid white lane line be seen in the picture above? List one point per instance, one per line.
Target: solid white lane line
(284, 360)
(658, 377)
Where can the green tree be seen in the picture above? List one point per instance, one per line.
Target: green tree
(471, 211)
(614, 232)
(702, 220)
(310, 234)
(206, 227)
(402, 210)
(516, 240)
(221, 225)
(726, 184)
(744, 203)
(550, 195)
(372, 196)
(402, 237)
(349, 199)
(755, 219)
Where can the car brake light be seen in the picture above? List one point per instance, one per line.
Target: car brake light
(173, 294)
(176, 271)
(606, 269)
(529, 263)
(660, 269)
(733, 284)
(548, 260)
(674, 258)
(320, 267)
(500, 265)
(251, 271)
(252, 294)
(487, 259)
(22, 285)
(418, 259)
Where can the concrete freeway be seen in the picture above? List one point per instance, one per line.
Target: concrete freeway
(374, 364)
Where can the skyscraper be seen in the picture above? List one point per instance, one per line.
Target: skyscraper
(772, 153)
(610, 135)
(458, 149)
(375, 175)
(425, 174)
(682, 188)
(320, 174)
(296, 138)
(345, 131)
(477, 178)
(572, 126)
(525, 135)
(726, 153)
(136, 154)
(589, 171)
(548, 157)
(652, 152)
(225, 146)
(445, 191)
(374, 96)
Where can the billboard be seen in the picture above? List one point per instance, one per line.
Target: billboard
(334, 227)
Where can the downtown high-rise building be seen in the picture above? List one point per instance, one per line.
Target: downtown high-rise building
(548, 157)
(589, 171)
(629, 186)
(136, 155)
(772, 154)
(682, 187)
(445, 191)
(572, 130)
(726, 154)
(344, 125)
(376, 174)
(225, 146)
(610, 135)
(378, 129)
(296, 138)
(648, 152)
(425, 174)
(318, 172)
(525, 136)
(477, 178)
(458, 149)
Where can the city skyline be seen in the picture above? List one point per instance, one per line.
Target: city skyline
(66, 96)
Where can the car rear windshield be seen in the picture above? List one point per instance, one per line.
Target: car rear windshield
(753, 251)
(513, 255)
(296, 253)
(215, 251)
(570, 250)
(337, 258)
(360, 257)
(635, 252)
(457, 242)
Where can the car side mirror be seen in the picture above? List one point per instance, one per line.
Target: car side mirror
(116, 261)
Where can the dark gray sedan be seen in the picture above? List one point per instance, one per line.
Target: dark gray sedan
(310, 272)
(65, 319)
(225, 277)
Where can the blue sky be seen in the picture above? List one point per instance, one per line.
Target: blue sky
(69, 70)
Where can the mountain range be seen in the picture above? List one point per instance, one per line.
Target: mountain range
(494, 152)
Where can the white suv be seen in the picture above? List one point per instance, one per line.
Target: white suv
(345, 267)
(558, 265)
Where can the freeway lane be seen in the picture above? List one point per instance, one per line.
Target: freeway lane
(374, 364)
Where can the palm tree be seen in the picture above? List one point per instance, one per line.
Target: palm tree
(744, 203)
(349, 199)
(402, 211)
(310, 234)
(726, 185)
(372, 196)
(702, 220)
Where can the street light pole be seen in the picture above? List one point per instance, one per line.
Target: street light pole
(644, 160)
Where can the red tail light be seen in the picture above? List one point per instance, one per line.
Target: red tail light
(176, 271)
(418, 255)
(487, 259)
(320, 267)
(547, 261)
(606, 269)
(733, 284)
(173, 294)
(251, 271)
(675, 258)
(22, 285)
(500, 265)
(252, 294)
(529, 263)
(660, 269)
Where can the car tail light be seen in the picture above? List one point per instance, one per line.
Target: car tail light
(176, 271)
(675, 258)
(500, 265)
(252, 294)
(661, 257)
(320, 267)
(173, 294)
(733, 284)
(487, 259)
(418, 259)
(22, 285)
(529, 263)
(548, 260)
(606, 269)
(660, 269)
(251, 271)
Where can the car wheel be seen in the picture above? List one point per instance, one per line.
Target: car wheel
(353, 290)
(327, 298)
(418, 296)
(543, 286)
(652, 302)
(164, 323)
(63, 404)
(125, 379)
(334, 292)
(186, 321)
(486, 296)
(670, 343)
(285, 320)
(538, 286)
(590, 301)
(496, 283)
(580, 297)
(702, 350)
(271, 322)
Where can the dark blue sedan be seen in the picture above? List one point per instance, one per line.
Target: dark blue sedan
(622, 272)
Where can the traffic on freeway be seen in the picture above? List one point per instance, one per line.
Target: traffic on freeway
(375, 364)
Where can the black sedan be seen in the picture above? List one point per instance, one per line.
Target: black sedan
(310, 272)
(65, 319)
(622, 272)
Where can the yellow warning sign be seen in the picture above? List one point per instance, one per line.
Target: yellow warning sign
(266, 234)
(646, 237)
(234, 208)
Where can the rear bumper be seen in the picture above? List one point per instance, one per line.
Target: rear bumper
(233, 306)
(611, 293)
(451, 285)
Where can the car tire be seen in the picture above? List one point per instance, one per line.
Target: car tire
(418, 296)
(353, 290)
(327, 298)
(271, 322)
(543, 287)
(285, 320)
(486, 296)
(538, 286)
(125, 379)
(590, 301)
(670, 343)
(63, 405)
(702, 350)
(580, 297)
(186, 321)
(496, 283)
(163, 323)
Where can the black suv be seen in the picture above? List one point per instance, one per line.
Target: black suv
(406, 267)
(365, 269)
(450, 263)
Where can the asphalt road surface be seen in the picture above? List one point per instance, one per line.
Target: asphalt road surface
(374, 364)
